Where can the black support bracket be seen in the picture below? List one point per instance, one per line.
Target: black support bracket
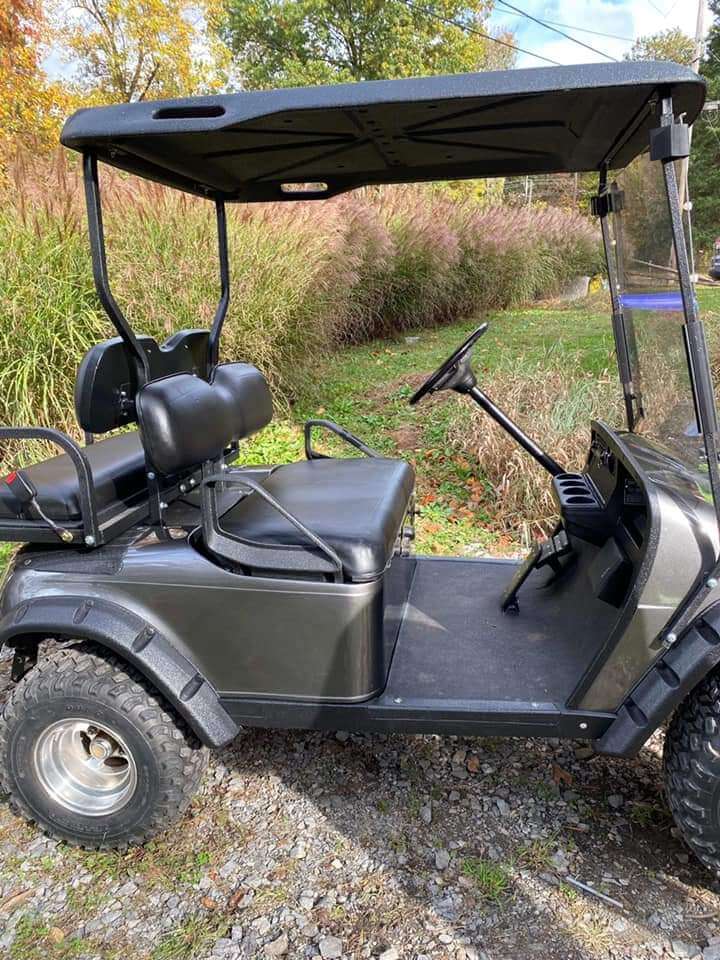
(604, 203)
(670, 142)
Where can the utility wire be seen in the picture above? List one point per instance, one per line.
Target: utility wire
(571, 26)
(480, 33)
(529, 16)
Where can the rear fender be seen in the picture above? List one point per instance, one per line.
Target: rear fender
(134, 640)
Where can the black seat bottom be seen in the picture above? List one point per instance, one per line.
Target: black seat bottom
(118, 470)
(356, 505)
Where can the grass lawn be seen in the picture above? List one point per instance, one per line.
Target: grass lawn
(366, 389)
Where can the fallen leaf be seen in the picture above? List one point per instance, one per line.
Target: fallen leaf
(56, 934)
(473, 763)
(236, 897)
(208, 903)
(561, 776)
(15, 900)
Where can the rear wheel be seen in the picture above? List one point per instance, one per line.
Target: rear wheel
(692, 770)
(92, 754)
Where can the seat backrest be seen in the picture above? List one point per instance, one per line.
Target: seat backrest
(185, 421)
(106, 384)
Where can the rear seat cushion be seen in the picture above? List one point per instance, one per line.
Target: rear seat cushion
(356, 505)
(117, 466)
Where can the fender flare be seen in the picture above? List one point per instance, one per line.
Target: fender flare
(135, 641)
(666, 684)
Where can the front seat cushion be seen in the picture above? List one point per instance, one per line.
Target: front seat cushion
(356, 505)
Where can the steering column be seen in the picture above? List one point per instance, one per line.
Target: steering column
(456, 374)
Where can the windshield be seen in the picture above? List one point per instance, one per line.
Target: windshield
(653, 312)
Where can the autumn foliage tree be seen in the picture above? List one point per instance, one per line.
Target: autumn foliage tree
(297, 42)
(128, 50)
(670, 44)
(30, 106)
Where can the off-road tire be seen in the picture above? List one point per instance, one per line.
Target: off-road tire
(88, 681)
(692, 770)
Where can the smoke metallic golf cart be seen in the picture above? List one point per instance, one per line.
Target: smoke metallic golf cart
(190, 595)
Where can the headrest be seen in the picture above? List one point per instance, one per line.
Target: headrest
(185, 421)
(106, 385)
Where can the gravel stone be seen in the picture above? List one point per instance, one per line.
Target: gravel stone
(373, 863)
(687, 951)
(330, 948)
(278, 947)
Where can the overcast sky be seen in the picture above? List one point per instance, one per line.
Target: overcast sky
(623, 18)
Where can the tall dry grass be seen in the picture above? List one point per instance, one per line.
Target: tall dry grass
(307, 277)
(554, 407)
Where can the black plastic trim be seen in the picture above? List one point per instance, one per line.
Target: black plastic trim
(665, 686)
(670, 142)
(386, 713)
(136, 641)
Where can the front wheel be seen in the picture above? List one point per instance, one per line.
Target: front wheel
(692, 770)
(92, 754)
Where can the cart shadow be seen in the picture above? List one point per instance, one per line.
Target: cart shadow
(528, 811)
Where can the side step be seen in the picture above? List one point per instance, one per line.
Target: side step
(388, 714)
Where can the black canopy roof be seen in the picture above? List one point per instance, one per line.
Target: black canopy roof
(250, 146)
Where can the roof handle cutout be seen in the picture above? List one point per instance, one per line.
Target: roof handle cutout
(310, 189)
(191, 112)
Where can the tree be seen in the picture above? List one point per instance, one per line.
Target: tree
(705, 156)
(126, 50)
(31, 108)
(298, 42)
(671, 44)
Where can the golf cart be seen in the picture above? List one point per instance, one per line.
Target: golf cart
(714, 270)
(186, 595)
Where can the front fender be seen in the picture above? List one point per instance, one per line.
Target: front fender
(666, 684)
(134, 640)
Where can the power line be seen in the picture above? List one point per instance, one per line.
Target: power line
(480, 33)
(571, 26)
(547, 26)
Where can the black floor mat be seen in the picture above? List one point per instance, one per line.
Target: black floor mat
(455, 643)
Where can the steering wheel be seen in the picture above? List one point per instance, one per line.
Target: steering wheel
(440, 380)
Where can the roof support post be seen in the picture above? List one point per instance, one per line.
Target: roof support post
(699, 362)
(663, 149)
(603, 206)
(224, 302)
(93, 203)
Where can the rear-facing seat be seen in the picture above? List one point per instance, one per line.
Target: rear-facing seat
(105, 390)
(117, 466)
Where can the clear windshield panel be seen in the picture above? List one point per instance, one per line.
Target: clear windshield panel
(653, 311)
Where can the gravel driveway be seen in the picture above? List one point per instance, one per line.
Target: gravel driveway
(334, 845)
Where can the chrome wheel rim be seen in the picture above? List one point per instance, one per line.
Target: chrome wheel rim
(85, 767)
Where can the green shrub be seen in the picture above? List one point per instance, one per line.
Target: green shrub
(306, 276)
